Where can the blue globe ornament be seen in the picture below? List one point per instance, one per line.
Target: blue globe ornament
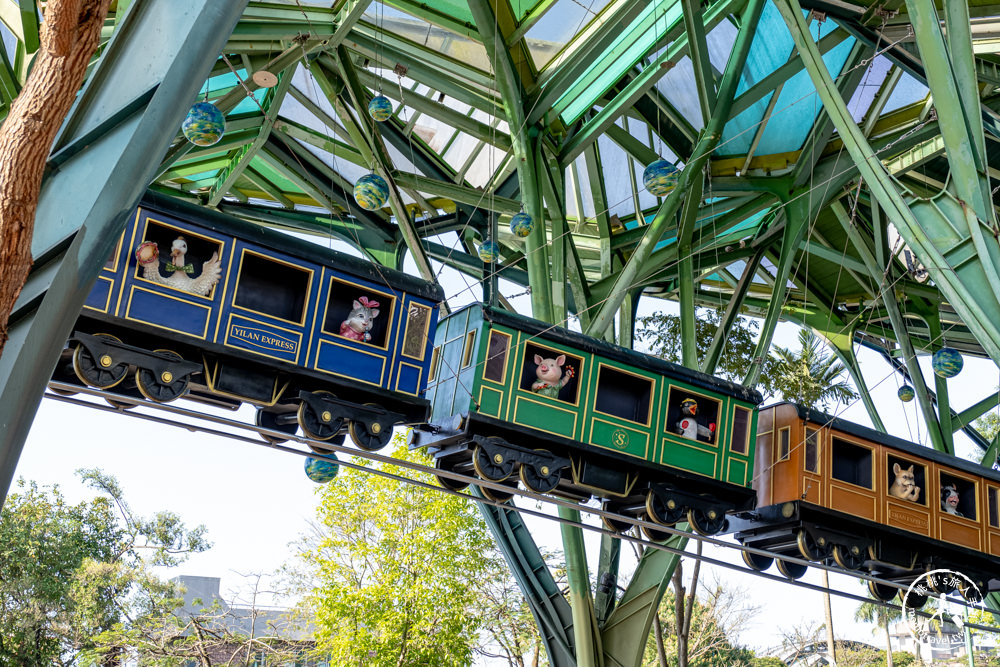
(947, 362)
(906, 393)
(371, 192)
(322, 471)
(489, 251)
(380, 108)
(204, 124)
(660, 177)
(522, 224)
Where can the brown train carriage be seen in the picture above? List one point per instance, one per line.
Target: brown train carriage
(823, 492)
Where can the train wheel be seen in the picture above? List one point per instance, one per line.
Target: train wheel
(448, 483)
(269, 420)
(706, 522)
(791, 570)
(849, 558)
(666, 512)
(653, 534)
(370, 437)
(939, 583)
(542, 480)
(611, 523)
(912, 600)
(161, 388)
(102, 373)
(756, 562)
(811, 549)
(326, 451)
(496, 496)
(970, 592)
(495, 468)
(319, 426)
(883, 592)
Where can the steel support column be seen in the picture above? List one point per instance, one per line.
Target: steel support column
(161, 53)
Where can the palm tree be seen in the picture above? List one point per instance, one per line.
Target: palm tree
(873, 612)
(810, 375)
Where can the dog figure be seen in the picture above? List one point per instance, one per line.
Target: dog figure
(949, 500)
(905, 486)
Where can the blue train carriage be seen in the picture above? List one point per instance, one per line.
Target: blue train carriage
(195, 303)
(578, 417)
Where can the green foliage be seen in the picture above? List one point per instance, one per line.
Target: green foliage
(69, 574)
(810, 376)
(767, 662)
(662, 332)
(988, 425)
(396, 570)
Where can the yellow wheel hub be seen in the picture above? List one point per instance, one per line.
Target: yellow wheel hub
(106, 360)
(167, 377)
(376, 428)
(326, 416)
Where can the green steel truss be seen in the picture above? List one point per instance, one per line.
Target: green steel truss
(837, 171)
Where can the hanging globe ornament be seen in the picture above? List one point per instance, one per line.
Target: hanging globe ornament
(660, 177)
(905, 393)
(489, 251)
(380, 108)
(371, 192)
(204, 124)
(322, 471)
(947, 362)
(522, 224)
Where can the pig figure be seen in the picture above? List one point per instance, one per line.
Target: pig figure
(551, 375)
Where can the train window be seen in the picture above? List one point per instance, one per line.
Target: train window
(549, 372)
(359, 313)
(906, 480)
(496, 358)
(196, 251)
(468, 351)
(435, 362)
(764, 444)
(623, 394)
(693, 416)
(272, 288)
(994, 510)
(741, 430)
(784, 443)
(812, 450)
(958, 496)
(418, 320)
(851, 463)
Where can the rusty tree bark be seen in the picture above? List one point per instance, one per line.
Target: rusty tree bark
(69, 37)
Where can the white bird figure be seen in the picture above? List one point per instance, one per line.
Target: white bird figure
(148, 255)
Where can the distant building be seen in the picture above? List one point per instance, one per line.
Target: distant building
(241, 623)
(946, 644)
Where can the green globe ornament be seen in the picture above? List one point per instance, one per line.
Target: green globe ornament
(489, 251)
(321, 471)
(521, 225)
(371, 192)
(380, 108)
(204, 124)
(947, 362)
(660, 177)
(905, 393)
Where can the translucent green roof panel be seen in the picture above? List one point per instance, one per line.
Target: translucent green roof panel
(631, 45)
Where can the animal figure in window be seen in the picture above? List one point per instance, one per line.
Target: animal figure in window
(551, 375)
(905, 485)
(688, 425)
(949, 500)
(148, 255)
(359, 322)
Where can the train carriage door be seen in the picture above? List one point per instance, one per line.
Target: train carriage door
(851, 478)
(993, 519)
(812, 481)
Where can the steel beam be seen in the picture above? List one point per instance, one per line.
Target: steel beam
(166, 46)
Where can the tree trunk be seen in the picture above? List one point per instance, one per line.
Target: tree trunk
(831, 646)
(661, 651)
(682, 637)
(69, 36)
(888, 643)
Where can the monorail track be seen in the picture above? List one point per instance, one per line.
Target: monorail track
(171, 414)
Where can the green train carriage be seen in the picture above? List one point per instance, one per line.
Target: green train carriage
(612, 430)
